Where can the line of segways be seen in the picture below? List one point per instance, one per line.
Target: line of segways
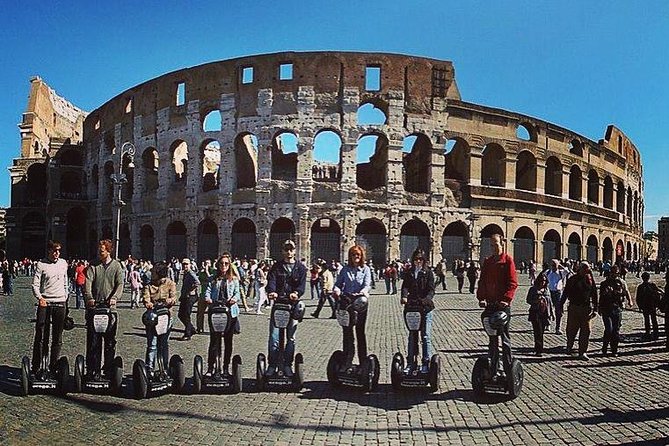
(363, 376)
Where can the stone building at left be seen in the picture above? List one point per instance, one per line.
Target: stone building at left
(48, 199)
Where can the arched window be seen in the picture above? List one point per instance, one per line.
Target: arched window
(456, 154)
(523, 245)
(370, 114)
(574, 246)
(608, 192)
(591, 249)
(526, 132)
(593, 187)
(212, 122)
(576, 147)
(109, 170)
(575, 183)
(246, 160)
(327, 156)
(620, 198)
(553, 178)
(211, 162)
(526, 171)
(179, 151)
(416, 161)
(493, 166)
(150, 166)
(372, 162)
(244, 239)
(284, 156)
(552, 245)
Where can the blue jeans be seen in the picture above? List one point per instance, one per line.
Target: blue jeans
(79, 290)
(152, 341)
(315, 290)
(426, 340)
(612, 320)
(558, 305)
(273, 344)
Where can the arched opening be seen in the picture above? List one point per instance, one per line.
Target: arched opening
(244, 239)
(575, 183)
(456, 154)
(620, 251)
(628, 253)
(576, 147)
(146, 242)
(371, 234)
(210, 152)
(629, 202)
(526, 171)
(455, 242)
(36, 185)
(552, 245)
(635, 255)
(179, 151)
(75, 234)
(176, 240)
(150, 162)
(553, 177)
(593, 187)
(124, 242)
(109, 185)
(493, 166)
(372, 162)
(325, 240)
(607, 250)
(282, 229)
(620, 198)
(635, 210)
(207, 240)
(95, 179)
(526, 132)
(212, 122)
(591, 249)
(128, 188)
(246, 160)
(416, 161)
(487, 232)
(608, 192)
(284, 156)
(71, 158)
(523, 245)
(70, 185)
(327, 157)
(33, 230)
(574, 246)
(369, 114)
(414, 234)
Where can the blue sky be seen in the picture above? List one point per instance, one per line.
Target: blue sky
(579, 64)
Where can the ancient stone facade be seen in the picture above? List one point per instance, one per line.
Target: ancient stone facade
(241, 154)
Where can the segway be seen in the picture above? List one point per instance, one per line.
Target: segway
(489, 378)
(220, 323)
(363, 376)
(166, 377)
(45, 380)
(284, 312)
(102, 318)
(413, 375)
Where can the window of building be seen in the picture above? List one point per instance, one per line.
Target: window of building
(286, 71)
(181, 93)
(247, 75)
(372, 78)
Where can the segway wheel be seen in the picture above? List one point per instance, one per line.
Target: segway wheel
(198, 367)
(236, 374)
(298, 378)
(515, 382)
(79, 363)
(261, 367)
(117, 376)
(336, 359)
(25, 374)
(480, 367)
(396, 367)
(375, 368)
(435, 371)
(62, 375)
(139, 379)
(177, 373)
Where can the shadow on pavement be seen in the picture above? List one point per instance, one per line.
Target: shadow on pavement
(10, 380)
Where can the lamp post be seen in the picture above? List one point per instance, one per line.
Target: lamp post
(118, 178)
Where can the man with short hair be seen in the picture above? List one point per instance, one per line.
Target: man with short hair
(648, 297)
(581, 292)
(188, 297)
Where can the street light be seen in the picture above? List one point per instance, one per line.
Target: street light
(119, 179)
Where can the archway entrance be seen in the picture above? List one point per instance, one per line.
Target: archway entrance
(371, 234)
(486, 233)
(325, 240)
(146, 242)
(207, 240)
(176, 240)
(455, 242)
(523, 245)
(414, 234)
(244, 239)
(552, 246)
(282, 229)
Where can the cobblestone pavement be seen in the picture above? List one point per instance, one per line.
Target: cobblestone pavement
(603, 401)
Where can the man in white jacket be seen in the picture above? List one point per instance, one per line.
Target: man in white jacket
(50, 288)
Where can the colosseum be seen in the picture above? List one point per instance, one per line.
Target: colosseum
(330, 148)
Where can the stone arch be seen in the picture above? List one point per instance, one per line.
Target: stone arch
(325, 239)
(33, 230)
(620, 251)
(179, 156)
(526, 132)
(36, 176)
(372, 235)
(575, 183)
(591, 249)
(628, 252)
(146, 242)
(629, 202)
(552, 243)
(455, 242)
(75, 233)
(176, 240)
(635, 211)
(246, 160)
(284, 155)
(553, 176)
(526, 171)
(574, 246)
(493, 166)
(457, 159)
(150, 164)
(576, 147)
(109, 185)
(635, 253)
(372, 112)
(620, 198)
(244, 239)
(207, 240)
(416, 163)
(373, 173)
(593, 187)
(327, 156)
(210, 154)
(212, 122)
(607, 249)
(414, 234)
(128, 169)
(124, 241)
(523, 245)
(71, 157)
(486, 233)
(608, 192)
(282, 229)
(70, 184)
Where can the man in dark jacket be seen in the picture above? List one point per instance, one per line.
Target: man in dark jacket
(188, 297)
(287, 280)
(647, 298)
(613, 293)
(418, 289)
(581, 292)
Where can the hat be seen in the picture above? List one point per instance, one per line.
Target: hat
(584, 265)
(186, 261)
(289, 244)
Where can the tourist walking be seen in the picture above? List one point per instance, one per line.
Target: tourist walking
(612, 297)
(581, 292)
(648, 296)
(540, 312)
(188, 297)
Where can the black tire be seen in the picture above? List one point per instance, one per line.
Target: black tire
(62, 375)
(515, 380)
(375, 370)
(261, 367)
(298, 377)
(139, 379)
(79, 364)
(177, 373)
(480, 367)
(435, 371)
(116, 383)
(25, 376)
(334, 363)
(396, 371)
(198, 368)
(236, 374)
